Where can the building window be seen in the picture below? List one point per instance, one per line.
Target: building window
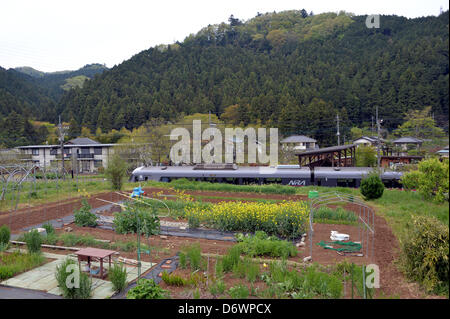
(35, 151)
(97, 151)
(98, 163)
(53, 151)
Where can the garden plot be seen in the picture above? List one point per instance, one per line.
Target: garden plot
(43, 278)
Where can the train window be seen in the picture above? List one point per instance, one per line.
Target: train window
(346, 182)
(273, 180)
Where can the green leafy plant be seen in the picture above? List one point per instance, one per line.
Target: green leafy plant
(431, 179)
(129, 220)
(84, 217)
(33, 240)
(17, 262)
(69, 289)
(50, 230)
(5, 235)
(118, 277)
(426, 253)
(191, 255)
(173, 280)
(239, 292)
(116, 172)
(217, 288)
(372, 187)
(262, 245)
(147, 289)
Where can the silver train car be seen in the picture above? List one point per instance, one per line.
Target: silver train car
(284, 174)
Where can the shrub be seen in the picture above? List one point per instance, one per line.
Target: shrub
(239, 292)
(147, 289)
(5, 235)
(84, 217)
(116, 171)
(33, 240)
(127, 221)
(426, 253)
(182, 260)
(366, 156)
(372, 187)
(49, 228)
(118, 277)
(431, 179)
(66, 269)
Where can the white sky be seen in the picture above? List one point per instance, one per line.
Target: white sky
(53, 35)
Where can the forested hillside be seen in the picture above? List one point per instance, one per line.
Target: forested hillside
(289, 70)
(27, 94)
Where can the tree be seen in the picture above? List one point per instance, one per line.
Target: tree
(304, 13)
(420, 123)
(431, 179)
(116, 171)
(366, 156)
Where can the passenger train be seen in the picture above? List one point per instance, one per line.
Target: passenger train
(291, 175)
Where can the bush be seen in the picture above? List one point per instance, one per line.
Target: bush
(217, 288)
(426, 253)
(33, 240)
(5, 235)
(83, 291)
(118, 277)
(147, 289)
(84, 217)
(116, 172)
(431, 179)
(372, 187)
(126, 221)
(49, 228)
(366, 156)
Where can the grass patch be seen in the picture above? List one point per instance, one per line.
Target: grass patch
(15, 263)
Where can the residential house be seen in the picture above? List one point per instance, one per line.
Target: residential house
(368, 141)
(298, 143)
(406, 143)
(443, 153)
(89, 155)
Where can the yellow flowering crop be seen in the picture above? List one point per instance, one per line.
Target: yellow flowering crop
(287, 219)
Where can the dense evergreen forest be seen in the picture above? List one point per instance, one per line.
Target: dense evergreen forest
(28, 94)
(291, 70)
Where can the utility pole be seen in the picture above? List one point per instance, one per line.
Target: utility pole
(372, 125)
(338, 133)
(378, 142)
(61, 141)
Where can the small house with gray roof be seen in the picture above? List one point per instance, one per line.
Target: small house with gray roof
(298, 143)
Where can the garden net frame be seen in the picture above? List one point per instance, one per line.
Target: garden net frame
(365, 219)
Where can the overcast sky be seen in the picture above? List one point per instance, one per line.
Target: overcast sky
(53, 35)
